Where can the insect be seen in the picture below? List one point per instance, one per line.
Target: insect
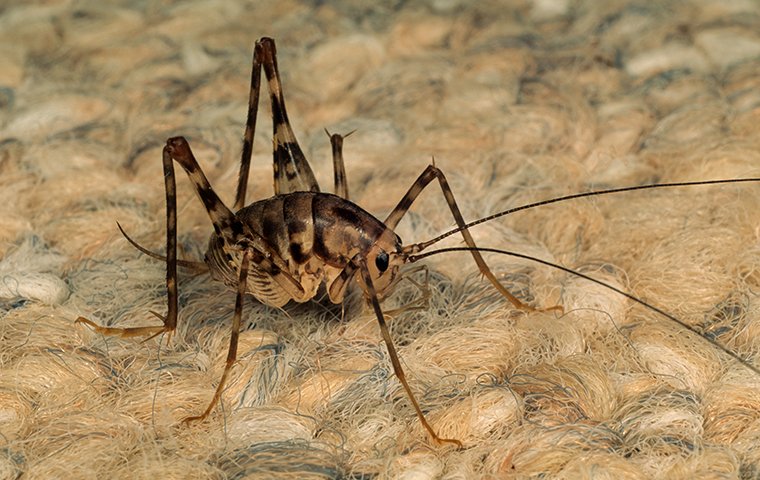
(284, 248)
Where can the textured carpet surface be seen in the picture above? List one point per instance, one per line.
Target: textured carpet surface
(517, 102)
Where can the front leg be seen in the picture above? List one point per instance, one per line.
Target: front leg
(428, 175)
(361, 264)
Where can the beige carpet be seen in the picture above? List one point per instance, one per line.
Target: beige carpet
(517, 102)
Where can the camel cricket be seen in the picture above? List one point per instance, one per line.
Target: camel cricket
(287, 246)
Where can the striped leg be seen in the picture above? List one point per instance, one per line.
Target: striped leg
(234, 336)
(250, 129)
(235, 234)
(226, 225)
(339, 170)
(372, 294)
(170, 320)
(427, 176)
(292, 172)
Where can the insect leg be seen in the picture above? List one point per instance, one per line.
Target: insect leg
(250, 129)
(292, 172)
(394, 356)
(427, 176)
(232, 231)
(339, 170)
(234, 336)
(289, 160)
(170, 320)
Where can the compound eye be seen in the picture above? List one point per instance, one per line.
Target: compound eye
(381, 261)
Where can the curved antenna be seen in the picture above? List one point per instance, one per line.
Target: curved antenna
(422, 245)
(414, 258)
(197, 267)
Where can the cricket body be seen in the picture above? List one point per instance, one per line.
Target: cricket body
(285, 247)
(317, 236)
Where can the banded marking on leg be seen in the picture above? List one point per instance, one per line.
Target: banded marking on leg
(397, 369)
(292, 172)
(250, 130)
(428, 175)
(221, 216)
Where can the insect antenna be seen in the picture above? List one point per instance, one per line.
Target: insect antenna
(415, 257)
(196, 267)
(418, 247)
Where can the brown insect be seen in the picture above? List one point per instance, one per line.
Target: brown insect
(285, 247)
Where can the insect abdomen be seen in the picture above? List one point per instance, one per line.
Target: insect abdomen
(301, 226)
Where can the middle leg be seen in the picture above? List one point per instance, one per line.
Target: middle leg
(234, 336)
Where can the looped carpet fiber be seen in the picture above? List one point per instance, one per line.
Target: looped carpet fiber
(517, 102)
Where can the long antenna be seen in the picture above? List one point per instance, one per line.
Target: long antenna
(423, 245)
(414, 258)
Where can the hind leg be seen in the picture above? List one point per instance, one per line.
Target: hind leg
(170, 320)
(292, 172)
